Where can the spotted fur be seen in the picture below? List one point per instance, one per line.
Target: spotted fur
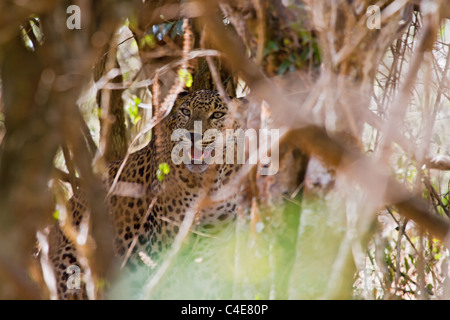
(138, 186)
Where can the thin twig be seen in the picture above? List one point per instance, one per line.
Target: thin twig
(140, 231)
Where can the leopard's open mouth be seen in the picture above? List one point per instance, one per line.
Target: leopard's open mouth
(200, 153)
(199, 156)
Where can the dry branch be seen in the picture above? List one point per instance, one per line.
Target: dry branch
(314, 139)
(113, 132)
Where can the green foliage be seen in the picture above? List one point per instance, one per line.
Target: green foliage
(288, 55)
(55, 215)
(185, 77)
(148, 40)
(163, 170)
(133, 110)
(271, 46)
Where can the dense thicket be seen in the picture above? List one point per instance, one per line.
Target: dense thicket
(359, 90)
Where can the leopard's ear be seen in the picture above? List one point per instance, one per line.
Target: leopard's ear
(179, 100)
(182, 94)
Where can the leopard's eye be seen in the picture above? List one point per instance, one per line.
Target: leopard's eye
(217, 115)
(186, 112)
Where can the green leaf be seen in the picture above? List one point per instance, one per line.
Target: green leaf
(271, 46)
(411, 258)
(442, 31)
(286, 42)
(125, 76)
(133, 110)
(56, 215)
(148, 40)
(305, 35)
(137, 119)
(406, 264)
(101, 283)
(137, 101)
(316, 51)
(164, 167)
(163, 170)
(185, 77)
(429, 288)
(284, 66)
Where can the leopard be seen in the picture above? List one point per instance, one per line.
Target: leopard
(152, 194)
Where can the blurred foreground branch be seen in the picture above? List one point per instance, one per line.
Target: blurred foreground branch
(314, 139)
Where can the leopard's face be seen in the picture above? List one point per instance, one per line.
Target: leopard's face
(201, 119)
(146, 212)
